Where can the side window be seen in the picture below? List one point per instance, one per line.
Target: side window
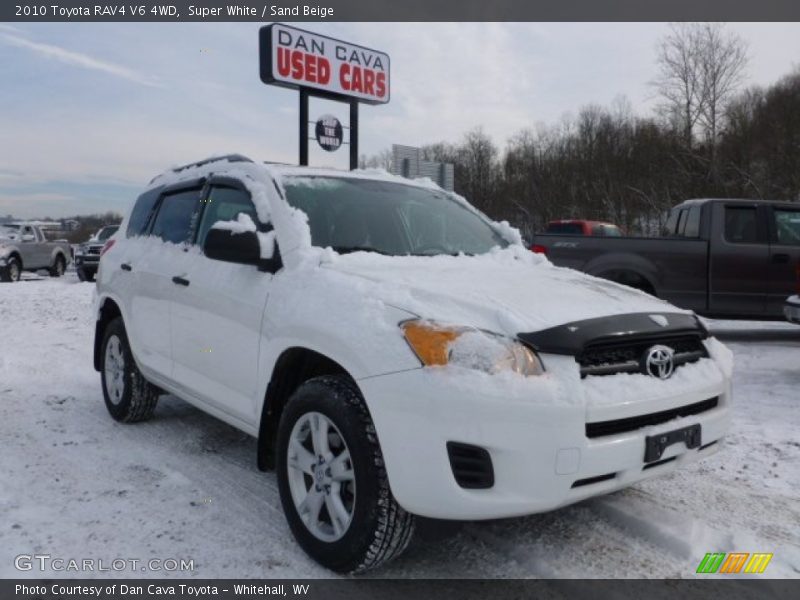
(692, 228)
(741, 226)
(224, 204)
(174, 221)
(787, 226)
(140, 215)
(598, 230)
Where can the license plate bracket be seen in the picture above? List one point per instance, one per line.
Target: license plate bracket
(655, 445)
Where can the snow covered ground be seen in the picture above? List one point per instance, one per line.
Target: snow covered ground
(75, 484)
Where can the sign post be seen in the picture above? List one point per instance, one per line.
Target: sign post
(323, 67)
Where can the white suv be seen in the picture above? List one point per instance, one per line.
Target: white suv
(395, 352)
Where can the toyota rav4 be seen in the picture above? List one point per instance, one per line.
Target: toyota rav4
(395, 352)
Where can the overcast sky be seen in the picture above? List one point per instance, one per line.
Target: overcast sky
(89, 113)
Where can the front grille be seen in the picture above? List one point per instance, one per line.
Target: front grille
(625, 356)
(94, 250)
(602, 428)
(472, 466)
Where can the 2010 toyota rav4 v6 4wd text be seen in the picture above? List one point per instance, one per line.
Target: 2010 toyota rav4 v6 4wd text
(395, 352)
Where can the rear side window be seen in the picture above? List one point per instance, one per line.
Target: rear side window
(140, 215)
(565, 228)
(787, 225)
(175, 219)
(224, 204)
(741, 226)
(672, 222)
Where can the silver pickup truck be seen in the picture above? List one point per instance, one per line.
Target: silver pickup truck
(23, 247)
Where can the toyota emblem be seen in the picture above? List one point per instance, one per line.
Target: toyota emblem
(658, 362)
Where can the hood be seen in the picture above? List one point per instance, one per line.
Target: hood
(507, 291)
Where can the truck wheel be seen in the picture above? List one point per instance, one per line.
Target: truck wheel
(58, 268)
(12, 271)
(333, 485)
(129, 397)
(81, 274)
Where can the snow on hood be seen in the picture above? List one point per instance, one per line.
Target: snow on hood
(507, 291)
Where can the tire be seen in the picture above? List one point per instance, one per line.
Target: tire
(378, 529)
(129, 397)
(84, 275)
(12, 271)
(59, 266)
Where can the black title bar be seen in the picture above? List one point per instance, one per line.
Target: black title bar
(398, 10)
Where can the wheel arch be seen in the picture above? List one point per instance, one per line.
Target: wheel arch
(294, 366)
(107, 311)
(631, 278)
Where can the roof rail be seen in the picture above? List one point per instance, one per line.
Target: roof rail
(200, 163)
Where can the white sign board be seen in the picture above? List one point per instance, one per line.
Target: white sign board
(294, 58)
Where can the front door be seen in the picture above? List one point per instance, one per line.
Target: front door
(784, 259)
(739, 256)
(216, 318)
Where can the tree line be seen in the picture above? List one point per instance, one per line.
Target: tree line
(708, 137)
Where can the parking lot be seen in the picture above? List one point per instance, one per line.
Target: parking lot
(74, 483)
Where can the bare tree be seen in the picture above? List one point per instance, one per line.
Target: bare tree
(701, 65)
(679, 79)
(722, 61)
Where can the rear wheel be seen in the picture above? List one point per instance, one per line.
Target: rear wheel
(129, 397)
(12, 271)
(58, 268)
(333, 485)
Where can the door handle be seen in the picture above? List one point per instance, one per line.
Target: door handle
(780, 258)
(180, 281)
(126, 267)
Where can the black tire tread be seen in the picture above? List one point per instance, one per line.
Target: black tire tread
(144, 395)
(395, 526)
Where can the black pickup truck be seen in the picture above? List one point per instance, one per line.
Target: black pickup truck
(720, 258)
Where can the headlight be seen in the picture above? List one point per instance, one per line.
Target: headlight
(470, 348)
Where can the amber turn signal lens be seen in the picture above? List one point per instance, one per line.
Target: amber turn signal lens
(430, 342)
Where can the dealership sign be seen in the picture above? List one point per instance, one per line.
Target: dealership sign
(295, 58)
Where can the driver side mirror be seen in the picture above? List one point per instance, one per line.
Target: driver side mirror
(243, 248)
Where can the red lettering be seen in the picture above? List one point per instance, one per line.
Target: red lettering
(344, 72)
(380, 88)
(283, 62)
(297, 65)
(311, 68)
(369, 80)
(324, 75)
(358, 85)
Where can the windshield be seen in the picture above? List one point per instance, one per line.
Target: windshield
(106, 232)
(388, 218)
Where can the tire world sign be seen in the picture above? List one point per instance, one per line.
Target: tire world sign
(294, 58)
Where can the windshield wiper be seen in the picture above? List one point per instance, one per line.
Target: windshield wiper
(349, 249)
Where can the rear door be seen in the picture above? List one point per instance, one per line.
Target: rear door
(157, 266)
(216, 317)
(739, 259)
(784, 259)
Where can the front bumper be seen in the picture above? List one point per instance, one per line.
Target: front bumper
(792, 309)
(535, 433)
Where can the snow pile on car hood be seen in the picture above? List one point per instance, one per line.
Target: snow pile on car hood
(508, 291)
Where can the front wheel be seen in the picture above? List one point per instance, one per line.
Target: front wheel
(333, 485)
(12, 271)
(58, 268)
(129, 397)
